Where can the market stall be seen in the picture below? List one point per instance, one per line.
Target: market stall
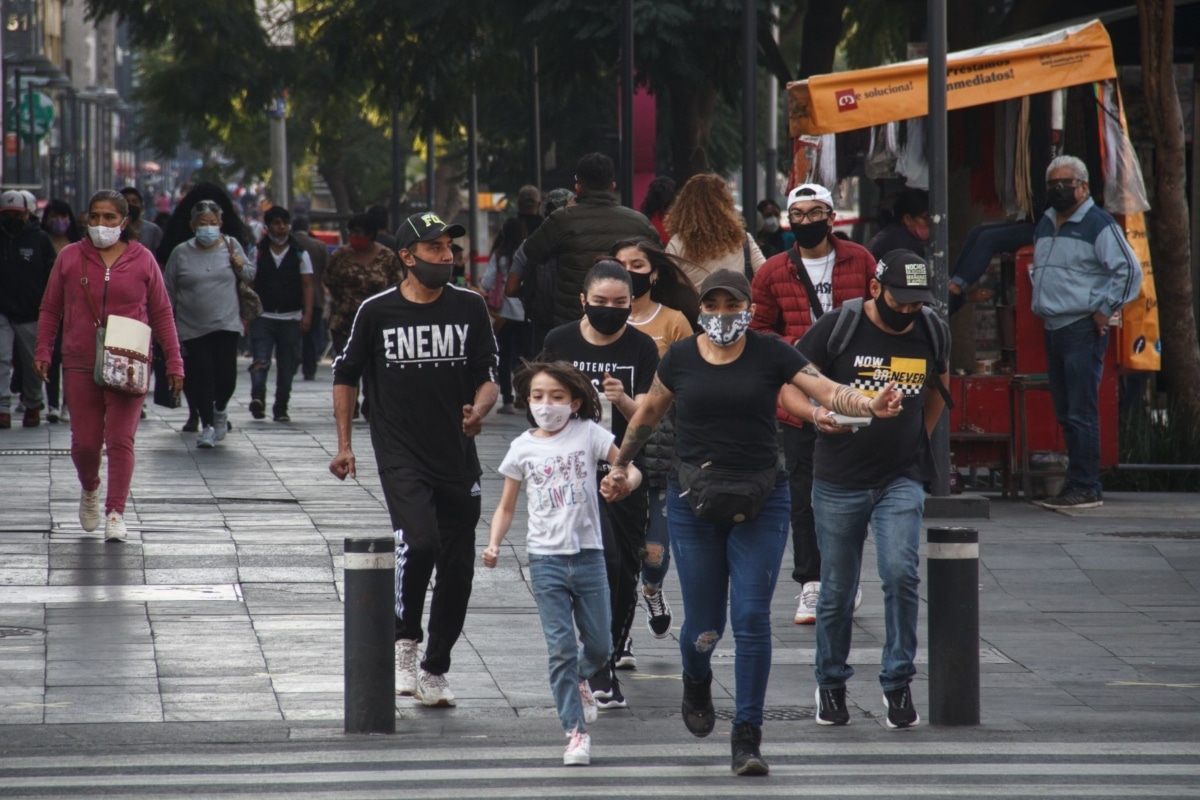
(1003, 416)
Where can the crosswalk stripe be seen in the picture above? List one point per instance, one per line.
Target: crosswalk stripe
(387, 752)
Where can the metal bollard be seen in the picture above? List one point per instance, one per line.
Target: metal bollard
(369, 634)
(953, 568)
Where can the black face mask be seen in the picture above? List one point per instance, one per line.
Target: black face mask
(811, 234)
(432, 276)
(1060, 198)
(607, 320)
(12, 225)
(641, 283)
(896, 320)
(135, 214)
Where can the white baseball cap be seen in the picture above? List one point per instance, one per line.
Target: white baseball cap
(810, 191)
(12, 200)
(30, 201)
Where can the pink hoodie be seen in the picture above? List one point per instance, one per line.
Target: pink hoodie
(135, 289)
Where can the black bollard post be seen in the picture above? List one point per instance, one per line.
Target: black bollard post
(369, 634)
(953, 591)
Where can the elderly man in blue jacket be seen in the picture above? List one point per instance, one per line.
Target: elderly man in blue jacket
(1083, 273)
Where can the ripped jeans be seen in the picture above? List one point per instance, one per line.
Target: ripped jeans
(740, 562)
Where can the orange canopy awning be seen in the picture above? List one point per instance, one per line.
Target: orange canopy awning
(845, 101)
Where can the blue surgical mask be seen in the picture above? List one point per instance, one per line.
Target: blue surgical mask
(207, 234)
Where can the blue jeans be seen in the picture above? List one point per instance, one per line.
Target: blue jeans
(281, 337)
(572, 591)
(894, 512)
(735, 561)
(983, 242)
(658, 540)
(1074, 362)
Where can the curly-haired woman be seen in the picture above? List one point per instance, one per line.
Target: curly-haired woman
(707, 231)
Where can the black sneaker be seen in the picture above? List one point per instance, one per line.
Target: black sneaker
(831, 707)
(1073, 497)
(900, 710)
(658, 614)
(744, 740)
(193, 423)
(626, 659)
(601, 684)
(614, 699)
(282, 416)
(258, 409)
(698, 715)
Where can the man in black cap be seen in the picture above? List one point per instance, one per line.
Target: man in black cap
(875, 473)
(427, 350)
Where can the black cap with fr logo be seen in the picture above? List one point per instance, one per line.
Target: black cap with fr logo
(425, 227)
(907, 277)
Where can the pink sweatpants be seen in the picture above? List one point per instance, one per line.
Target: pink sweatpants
(102, 418)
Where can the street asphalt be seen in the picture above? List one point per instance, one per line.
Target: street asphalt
(218, 624)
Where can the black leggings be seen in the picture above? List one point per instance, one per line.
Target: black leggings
(210, 372)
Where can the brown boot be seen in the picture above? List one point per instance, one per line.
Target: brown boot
(5, 421)
(33, 418)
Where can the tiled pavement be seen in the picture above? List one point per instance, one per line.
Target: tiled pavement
(224, 605)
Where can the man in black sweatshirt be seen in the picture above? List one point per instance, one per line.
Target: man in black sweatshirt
(26, 258)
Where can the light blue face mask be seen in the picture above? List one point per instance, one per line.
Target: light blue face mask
(207, 234)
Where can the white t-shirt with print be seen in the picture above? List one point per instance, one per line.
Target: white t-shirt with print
(559, 473)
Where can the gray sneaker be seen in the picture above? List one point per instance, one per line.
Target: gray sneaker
(1073, 497)
(221, 424)
(207, 438)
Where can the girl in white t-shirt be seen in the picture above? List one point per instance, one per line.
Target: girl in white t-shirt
(557, 461)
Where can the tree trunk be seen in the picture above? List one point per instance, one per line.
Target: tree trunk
(335, 179)
(822, 33)
(1169, 221)
(692, 111)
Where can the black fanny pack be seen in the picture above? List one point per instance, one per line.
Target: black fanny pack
(725, 495)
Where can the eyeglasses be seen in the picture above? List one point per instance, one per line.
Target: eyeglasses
(204, 206)
(1071, 184)
(816, 215)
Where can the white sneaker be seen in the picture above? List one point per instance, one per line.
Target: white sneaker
(591, 711)
(579, 750)
(89, 509)
(220, 424)
(434, 690)
(407, 660)
(207, 439)
(63, 414)
(806, 612)
(858, 597)
(114, 528)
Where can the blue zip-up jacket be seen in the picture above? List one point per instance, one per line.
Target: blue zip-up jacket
(1081, 268)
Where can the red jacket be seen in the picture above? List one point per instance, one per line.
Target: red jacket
(781, 303)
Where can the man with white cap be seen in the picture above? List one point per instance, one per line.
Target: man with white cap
(791, 292)
(26, 258)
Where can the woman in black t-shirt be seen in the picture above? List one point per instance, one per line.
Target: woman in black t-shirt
(723, 383)
(620, 362)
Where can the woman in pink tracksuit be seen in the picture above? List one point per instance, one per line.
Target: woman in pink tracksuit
(123, 279)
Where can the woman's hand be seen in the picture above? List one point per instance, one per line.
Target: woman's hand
(615, 485)
(175, 382)
(491, 555)
(888, 403)
(613, 389)
(42, 370)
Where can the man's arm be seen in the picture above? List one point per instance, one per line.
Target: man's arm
(344, 396)
(306, 289)
(935, 403)
(1126, 270)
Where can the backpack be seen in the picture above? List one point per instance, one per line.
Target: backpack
(935, 328)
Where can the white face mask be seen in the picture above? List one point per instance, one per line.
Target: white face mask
(103, 237)
(550, 417)
(771, 224)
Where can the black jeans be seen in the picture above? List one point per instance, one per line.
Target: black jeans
(312, 344)
(797, 445)
(434, 522)
(515, 341)
(210, 372)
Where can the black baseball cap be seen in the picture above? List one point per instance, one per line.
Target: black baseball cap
(425, 227)
(907, 276)
(733, 282)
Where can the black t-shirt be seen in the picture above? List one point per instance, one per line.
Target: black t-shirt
(631, 359)
(895, 237)
(874, 455)
(423, 363)
(725, 413)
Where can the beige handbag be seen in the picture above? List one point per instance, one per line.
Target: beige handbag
(122, 348)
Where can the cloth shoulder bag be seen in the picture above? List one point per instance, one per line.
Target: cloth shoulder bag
(122, 347)
(250, 305)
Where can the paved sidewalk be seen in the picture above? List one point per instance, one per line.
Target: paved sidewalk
(222, 612)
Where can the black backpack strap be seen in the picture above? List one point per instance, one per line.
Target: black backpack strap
(814, 302)
(844, 326)
(746, 265)
(939, 336)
